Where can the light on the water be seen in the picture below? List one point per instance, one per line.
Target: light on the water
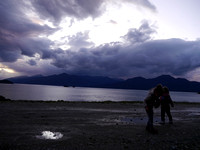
(50, 135)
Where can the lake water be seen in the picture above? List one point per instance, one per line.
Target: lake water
(44, 92)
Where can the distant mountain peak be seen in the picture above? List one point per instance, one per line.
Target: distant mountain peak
(65, 79)
(174, 84)
(37, 75)
(63, 74)
(165, 77)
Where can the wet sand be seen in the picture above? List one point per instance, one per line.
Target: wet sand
(99, 126)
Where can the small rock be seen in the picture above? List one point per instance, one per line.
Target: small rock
(173, 147)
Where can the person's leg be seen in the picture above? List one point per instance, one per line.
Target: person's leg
(162, 114)
(150, 120)
(150, 127)
(169, 114)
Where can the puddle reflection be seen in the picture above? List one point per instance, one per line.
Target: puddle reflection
(50, 135)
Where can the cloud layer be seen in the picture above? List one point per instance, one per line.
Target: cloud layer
(18, 34)
(155, 57)
(23, 40)
(55, 10)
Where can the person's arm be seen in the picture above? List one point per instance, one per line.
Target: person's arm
(157, 102)
(146, 103)
(149, 101)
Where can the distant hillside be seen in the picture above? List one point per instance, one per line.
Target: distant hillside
(66, 80)
(174, 84)
(6, 82)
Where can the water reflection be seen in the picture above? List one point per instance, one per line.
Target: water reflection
(50, 135)
(44, 92)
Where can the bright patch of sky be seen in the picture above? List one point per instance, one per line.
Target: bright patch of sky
(110, 27)
(172, 19)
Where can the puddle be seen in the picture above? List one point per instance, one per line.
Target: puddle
(194, 114)
(188, 110)
(193, 110)
(130, 120)
(100, 110)
(48, 135)
(123, 120)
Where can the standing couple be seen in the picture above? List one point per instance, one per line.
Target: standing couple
(156, 97)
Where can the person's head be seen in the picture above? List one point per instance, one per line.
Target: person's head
(165, 90)
(158, 91)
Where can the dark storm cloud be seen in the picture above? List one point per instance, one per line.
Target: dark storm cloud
(140, 56)
(18, 34)
(7, 55)
(87, 61)
(14, 21)
(31, 46)
(12, 50)
(55, 10)
(173, 56)
(32, 62)
(139, 35)
(143, 3)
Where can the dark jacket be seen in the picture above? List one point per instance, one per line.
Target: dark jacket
(166, 100)
(151, 100)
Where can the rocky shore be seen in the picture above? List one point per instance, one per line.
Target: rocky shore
(28, 125)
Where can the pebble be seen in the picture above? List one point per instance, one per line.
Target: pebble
(173, 147)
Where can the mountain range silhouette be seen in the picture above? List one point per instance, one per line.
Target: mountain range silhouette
(139, 83)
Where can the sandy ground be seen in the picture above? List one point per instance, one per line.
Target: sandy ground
(99, 126)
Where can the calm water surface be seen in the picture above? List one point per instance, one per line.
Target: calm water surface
(44, 92)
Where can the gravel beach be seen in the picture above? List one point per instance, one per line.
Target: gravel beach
(40, 125)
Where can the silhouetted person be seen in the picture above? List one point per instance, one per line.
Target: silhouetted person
(166, 101)
(152, 100)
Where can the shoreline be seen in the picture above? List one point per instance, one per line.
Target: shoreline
(63, 101)
(95, 125)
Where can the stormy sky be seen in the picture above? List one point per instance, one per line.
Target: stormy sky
(115, 38)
